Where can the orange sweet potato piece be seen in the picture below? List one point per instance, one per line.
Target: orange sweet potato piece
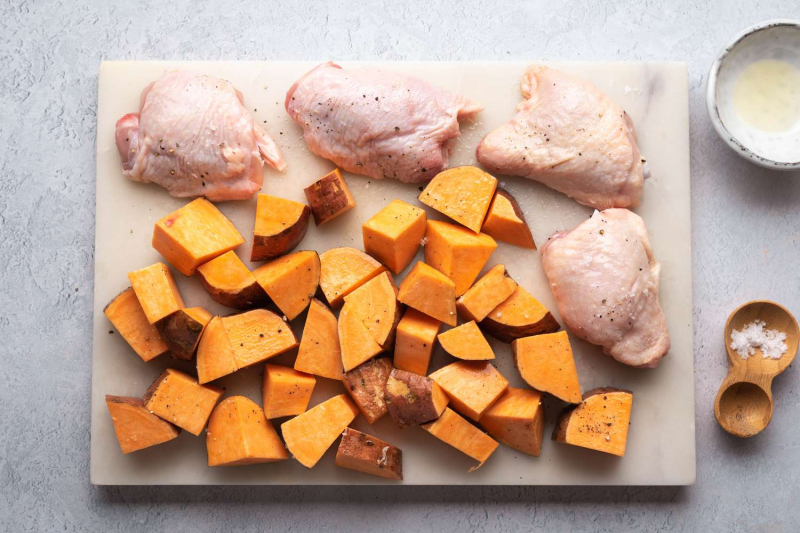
(365, 453)
(376, 303)
(230, 283)
(491, 290)
(466, 342)
(517, 420)
(329, 197)
(343, 270)
(413, 399)
(286, 392)
(136, 427)
(280, 226)
(366, 384)
(355, 341)
(463, 436)
(461, 193)
(126, 314)
(599, 423)
(194, 234)
(156, 291)
(182, 329)
(546, 363)
(506, 222)
(319, 352)
(472, 386)
(413, 346)
(457, 252)
(308, 436)
(429, 291)
(290, 281)
(215, 356)
(394, 234)
(521, 315)
(178, 398)
(239, 434)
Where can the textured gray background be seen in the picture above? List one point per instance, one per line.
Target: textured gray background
(746, 245)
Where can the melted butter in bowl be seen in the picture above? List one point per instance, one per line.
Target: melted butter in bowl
(766, 95)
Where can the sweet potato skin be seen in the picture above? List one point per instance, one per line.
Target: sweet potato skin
(413, 399)
(126, 314)
(508, 321)
(329, 197)
(182, 330)
(366, 385)
(365, 453)
(280, 226)
(229, 282)
(239, 434)
(136, 427)
(606, 430)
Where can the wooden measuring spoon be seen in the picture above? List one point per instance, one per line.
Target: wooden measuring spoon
(744, 401)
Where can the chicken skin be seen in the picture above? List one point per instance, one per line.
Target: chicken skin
(571, 137)
(377, 123)
(605, 280)
(194, 137)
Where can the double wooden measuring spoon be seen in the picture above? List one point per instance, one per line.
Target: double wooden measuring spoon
(744, 401)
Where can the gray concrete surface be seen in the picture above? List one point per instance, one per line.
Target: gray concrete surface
(746, 242)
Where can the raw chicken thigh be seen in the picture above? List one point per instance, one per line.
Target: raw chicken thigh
(194, 137)
(377, 123)
(571, 137)
(605, 280)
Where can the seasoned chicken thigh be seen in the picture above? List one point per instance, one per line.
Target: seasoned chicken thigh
(605, 280)
(194, 137)
(377, 123)
(571, 137)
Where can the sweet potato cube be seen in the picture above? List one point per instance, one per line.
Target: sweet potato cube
(286, 392)
(599, 423)
(157, 292)
(126, 314)
(182, 329)
(466, 342)
(506, 222)
(546, 363)
(517, 420)
(290, 281)
(472, 386)
(194, 234)
(215, 357)
(365, 453)
(366, 384)
(343, 270)
(230, 283)
(280, 226)
(461, 193)
(457, 252)
(178, 398)
(355, 341)
(413, 399)
(308, 436)
(520, 315)
(136, 427)
(463, 436)
(394, 234)
(414, 341)
(491, 290)
(239, 434)
(329, 197)
(319, 352)
(376, 303)
(429, 291)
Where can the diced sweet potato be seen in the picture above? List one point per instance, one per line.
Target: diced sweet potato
(182, 330)
(355, 341)
(429, 291)
(365, 453)
(599, 423)
(506, 222)
(308, 436)
(517, 420)
(286, 392)
(546, 363)
(178, 398)
(343, 270)
(366, 384)
(230, 283)
(414, 341)
(280, 226)
(463, 436)
(126, 314)
(461, 193)
(413, 399)
(472, 386)
(215, 356)
(376, 303)
(194, 234)
(466, 342)
(156, 291)
(136, 427)
(521, 315)
(487, 293)
(290, 281)
(319, 352)
(239, 434)
(394, 234)
(457, 252)
(329, 197)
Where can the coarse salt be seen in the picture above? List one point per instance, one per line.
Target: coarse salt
(753, 336)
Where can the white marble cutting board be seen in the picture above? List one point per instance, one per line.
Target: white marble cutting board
(661, 444)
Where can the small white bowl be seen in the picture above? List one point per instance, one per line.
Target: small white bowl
(773, 39)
